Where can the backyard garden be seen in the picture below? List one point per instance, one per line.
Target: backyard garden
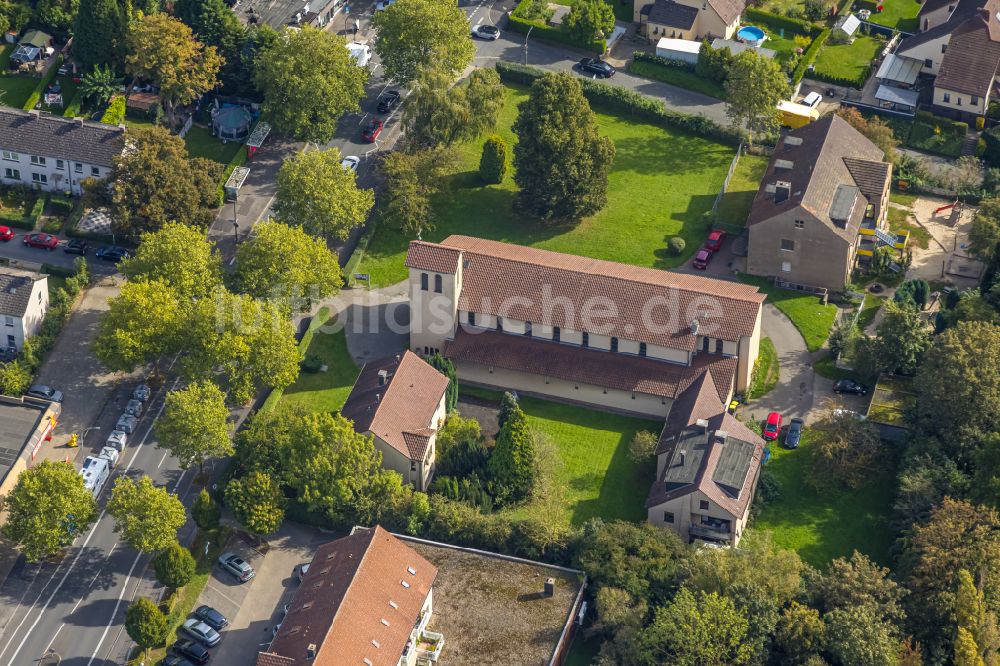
(847, 64)
(662, 184)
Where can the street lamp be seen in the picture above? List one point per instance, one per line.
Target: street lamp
(236, 225)
(526, 45)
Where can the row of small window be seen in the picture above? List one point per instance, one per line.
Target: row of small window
(37, 160)
(15, 174)
(556, 334)
(973, 99)
(668, 516)
(424, 280)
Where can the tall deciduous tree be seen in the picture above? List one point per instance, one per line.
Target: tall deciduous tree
(754, 87)
(140, 326)
(411, 180)
(561, 160)
(194, 424)
(438, 113)
(47, 509)
(875, 129)
(590, 19)
(99, 33)
(512, 465)
(146, 517)
(902, 338)
(859, 637)
(309, 81)
(179, 255)
(696, 630)
(414, 35)
(318, 194)
(284, 262)
(257, 502)
(858, 581)
(984, 237)
(99, 85)
(145, 623)
(164, 50)
(799, 634)
(845, 451)
(972, 615)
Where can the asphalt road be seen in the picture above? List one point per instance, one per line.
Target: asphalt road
(18, 253)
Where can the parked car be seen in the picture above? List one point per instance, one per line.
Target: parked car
(111, 454)
(350, 163)
(702, 259)
(126, 423)
(303, 570)
(134, 407)
(850, 386)
(193, 651)
(488, 32)
(715, 240)
(8, 354)
(77, 246)
(141, 392)
(597, 67)
(175, 660)
(112, 253)
(389, 100)
(211, 617)
(117, 439)
(372, 130)
(201, 632)
(812, 100)
(45, 393)
(794, 434)
(6, 233)
(237, 566)
(43, 241)
(772, 426)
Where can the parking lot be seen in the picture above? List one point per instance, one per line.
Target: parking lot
(254, 609)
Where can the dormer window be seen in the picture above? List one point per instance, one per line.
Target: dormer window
(586, 339)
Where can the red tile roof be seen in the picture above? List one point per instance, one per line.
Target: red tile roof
(432, 257)
(589, 366)
(353, 605)
(400, 412)
(649, 305)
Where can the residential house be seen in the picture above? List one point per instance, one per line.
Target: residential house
(579, 330)
(821, 205)
(365, 600)
(707, 467)
(24, 300)
(687, 19)
(400, 401)
(55, 154)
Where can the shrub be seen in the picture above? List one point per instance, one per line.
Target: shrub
(809, 57)
(645, 56)
(713, 63)
(311, 364)
(523, 18)
(815, 10)
(643, 446)
(14, 378)
(493, 163)
(115, 113)
(776, 21)
(205, 511)
(61, 205)
(174, 566)
(676, 246)
(52, 226)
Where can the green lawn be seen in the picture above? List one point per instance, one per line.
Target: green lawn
(682, 78)
(735, 204)
(821, 526)
(848, 62)
(872, 305)
(902, 220)
(898, 14)
(15, 89)
(812, 318)
(765, 372)
(201, 143)
(934, 134)
(68, 90)
(661, 185)
(826, 366)
(323, 391)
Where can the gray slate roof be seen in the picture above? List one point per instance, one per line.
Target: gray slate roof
(61, 138)
(15, 292)
(672, 14)
(970, 64)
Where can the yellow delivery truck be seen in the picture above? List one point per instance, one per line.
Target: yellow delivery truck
(796, 115)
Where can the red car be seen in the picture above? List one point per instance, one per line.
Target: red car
(6, 233)
(772, 426)
(46, 241)
(715, 240)
(372, 131)
(702, 258)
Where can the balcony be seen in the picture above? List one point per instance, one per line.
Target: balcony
(429, 646)
(711, 528)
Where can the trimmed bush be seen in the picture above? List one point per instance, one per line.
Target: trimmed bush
(493, 163)
(809, 57)
(663, 62)
(115, 113)
(676, 246)
(174, 566)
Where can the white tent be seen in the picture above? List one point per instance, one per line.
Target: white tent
(846, 26)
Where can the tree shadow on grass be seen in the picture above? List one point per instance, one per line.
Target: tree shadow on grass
(666, 153)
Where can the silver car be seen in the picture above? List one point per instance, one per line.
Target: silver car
(127, 423)
(134, 407)
(201, 632)
(141, 393)
(117, 440)
(237, 566)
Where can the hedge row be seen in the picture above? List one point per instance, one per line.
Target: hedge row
(25, 221)
(623, 101)
(43, 83)
(663, 62)
(550, 33)
(809, 57)
(798, 26)
(856, 82)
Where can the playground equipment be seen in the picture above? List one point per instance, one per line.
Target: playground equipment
(946, 207)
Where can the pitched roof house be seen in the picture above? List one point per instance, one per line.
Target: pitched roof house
(364, 601)
(687, 19)
(821, 205)
(400, 400)
(24, 300)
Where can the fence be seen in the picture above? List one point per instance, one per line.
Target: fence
(187, 127)
(729, 176)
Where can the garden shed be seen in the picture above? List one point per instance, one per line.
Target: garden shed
(685, 50)
(846, 28)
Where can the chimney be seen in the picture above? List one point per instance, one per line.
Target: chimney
(311, 651)
(550, 587)
(702, 425)
(782, 191)
(79, 121)
(680, 462)
(378, 398)
(720, 436)
(694, 326)
(383, 377)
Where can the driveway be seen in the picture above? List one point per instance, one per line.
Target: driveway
(793, 395)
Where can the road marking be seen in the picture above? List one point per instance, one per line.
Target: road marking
(223, 595)
(46, 650)
(111, 621)
(161, 460)
(113, 546)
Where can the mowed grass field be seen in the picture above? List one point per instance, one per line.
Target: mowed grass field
(808, 314)
(821, 526)
(661, 184)
(323, 391)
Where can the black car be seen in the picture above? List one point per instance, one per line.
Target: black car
(388, 101)
(192, 650)
(77, 246)
(175, 660)
(794, 434)
(850, 386)
(597, 66)
(112, 253)
(211, 617)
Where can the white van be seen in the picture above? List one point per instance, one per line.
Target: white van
(95, 474)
